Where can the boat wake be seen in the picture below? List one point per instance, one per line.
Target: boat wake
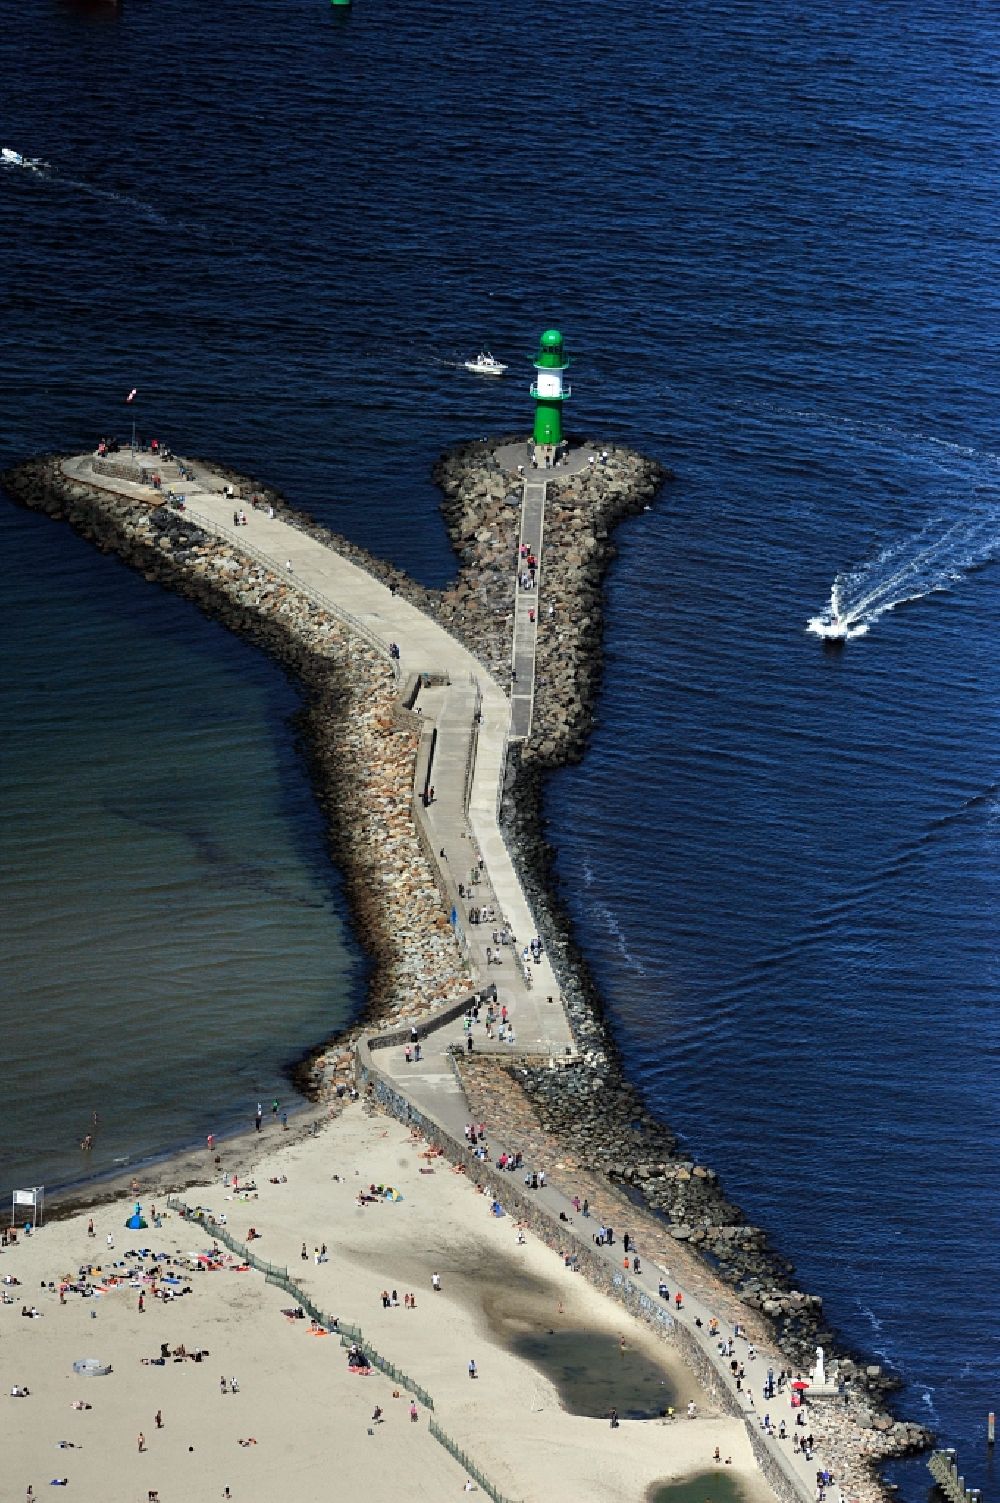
(17, 162)
(937, 557)
(605, 914)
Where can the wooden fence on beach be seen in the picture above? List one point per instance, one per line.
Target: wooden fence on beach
(467, 1464)
(349, 1335)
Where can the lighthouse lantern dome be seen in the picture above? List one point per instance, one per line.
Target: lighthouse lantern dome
(550, 351)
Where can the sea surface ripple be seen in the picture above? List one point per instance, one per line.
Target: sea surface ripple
(768, 232)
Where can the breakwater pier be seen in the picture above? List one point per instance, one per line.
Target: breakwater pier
(426, 719)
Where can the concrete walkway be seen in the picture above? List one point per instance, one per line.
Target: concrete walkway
(522, 678)
(433, 1087)
(466, 840)
(368, 606)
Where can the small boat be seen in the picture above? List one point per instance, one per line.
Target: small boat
(485, 364)
(11, 158)
(835, 629)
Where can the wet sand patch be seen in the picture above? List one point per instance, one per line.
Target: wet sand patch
(594, 1375)
(593, 1369)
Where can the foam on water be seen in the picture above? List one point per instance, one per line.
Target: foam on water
(940, 555)
(606, 914)
(871, 1317)
(927, 1399)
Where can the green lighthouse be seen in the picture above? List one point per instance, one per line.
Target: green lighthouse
(548, 389)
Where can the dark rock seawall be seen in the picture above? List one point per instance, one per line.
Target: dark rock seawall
(361, 753)
(362, 756)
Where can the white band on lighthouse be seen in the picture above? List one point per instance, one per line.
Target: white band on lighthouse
(549, 383)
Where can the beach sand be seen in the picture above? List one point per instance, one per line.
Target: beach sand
(310, 1417)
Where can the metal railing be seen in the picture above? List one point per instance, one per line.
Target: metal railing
(534, 601)
(352, 622)
(472, 748)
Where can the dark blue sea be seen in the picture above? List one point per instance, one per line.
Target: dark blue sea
(768, 233)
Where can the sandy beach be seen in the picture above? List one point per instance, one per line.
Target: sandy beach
(307, 1416)
(553, 1355)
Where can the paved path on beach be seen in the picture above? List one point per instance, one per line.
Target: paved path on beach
(433, 1087)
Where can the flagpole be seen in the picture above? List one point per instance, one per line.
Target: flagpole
(131, 398)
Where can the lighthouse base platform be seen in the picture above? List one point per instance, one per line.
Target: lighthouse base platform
(565, 459)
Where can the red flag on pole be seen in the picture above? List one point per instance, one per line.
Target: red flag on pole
(132, 393)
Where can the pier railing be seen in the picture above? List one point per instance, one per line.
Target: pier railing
(472, 747)
(352, 622)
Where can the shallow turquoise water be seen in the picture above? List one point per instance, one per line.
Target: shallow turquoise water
(173, 932)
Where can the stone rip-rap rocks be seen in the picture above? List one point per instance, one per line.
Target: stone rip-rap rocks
(361, 756)
(587, 1110)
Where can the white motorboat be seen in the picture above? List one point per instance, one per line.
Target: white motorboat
(485, 364)
(11, 158)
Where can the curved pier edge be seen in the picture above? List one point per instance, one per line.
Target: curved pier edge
(360, 744)
(354, 713)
